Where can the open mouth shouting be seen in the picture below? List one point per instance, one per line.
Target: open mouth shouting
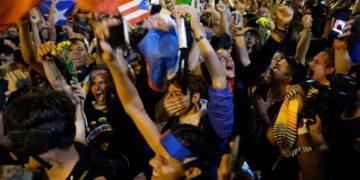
(309, 74)
(229, 67)
(100, 97)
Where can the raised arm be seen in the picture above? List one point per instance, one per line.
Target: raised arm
(58, 82)
(27, 48)
(128, 94)
(296, 22)
(224, 22)
(212, 62)
(51, 21)
(241, 50)
(342, 58)
(304, 41)
(257, 66)
(55, 78)
(35, 19)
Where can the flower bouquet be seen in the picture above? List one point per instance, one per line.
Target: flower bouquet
(63, 53)
(264, 29)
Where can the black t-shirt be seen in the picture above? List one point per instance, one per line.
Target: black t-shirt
(84, 169)
(125, 140)
(93, 163)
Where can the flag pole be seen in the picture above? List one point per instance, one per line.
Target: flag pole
(126, 32)
(184, 38)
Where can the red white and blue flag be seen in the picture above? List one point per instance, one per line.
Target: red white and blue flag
(134, 11)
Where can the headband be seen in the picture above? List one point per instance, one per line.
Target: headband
(174, 147)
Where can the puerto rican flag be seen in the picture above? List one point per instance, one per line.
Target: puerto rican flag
(63, 9)
(134, 11)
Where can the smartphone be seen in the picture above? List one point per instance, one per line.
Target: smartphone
(338, 27)
(236, 18)
(116, 36)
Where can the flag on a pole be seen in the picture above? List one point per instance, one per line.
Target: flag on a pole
(134, 11)
(63, 9)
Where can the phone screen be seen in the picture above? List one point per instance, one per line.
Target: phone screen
(236, 19)
(338, 27)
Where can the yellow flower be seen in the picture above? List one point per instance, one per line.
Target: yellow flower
(53, 52)
(264, 22)
(63, 45)
(58, 49)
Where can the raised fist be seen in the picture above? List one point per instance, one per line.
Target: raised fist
(307, 21)
(284, 15)
(47, 50)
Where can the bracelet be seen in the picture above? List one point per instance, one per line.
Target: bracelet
(302, 130)
(199, 38)
(239, 34)
(299, 150)
(339, 45)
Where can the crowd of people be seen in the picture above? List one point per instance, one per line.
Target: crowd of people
(260, 90)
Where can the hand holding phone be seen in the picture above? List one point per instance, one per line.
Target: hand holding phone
(338, 27)
(236, 19)
(347, 30)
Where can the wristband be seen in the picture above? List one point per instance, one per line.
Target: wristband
(338, 45)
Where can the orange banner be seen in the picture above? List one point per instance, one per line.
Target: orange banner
(13, 10)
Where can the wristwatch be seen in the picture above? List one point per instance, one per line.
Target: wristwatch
(200, 37)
